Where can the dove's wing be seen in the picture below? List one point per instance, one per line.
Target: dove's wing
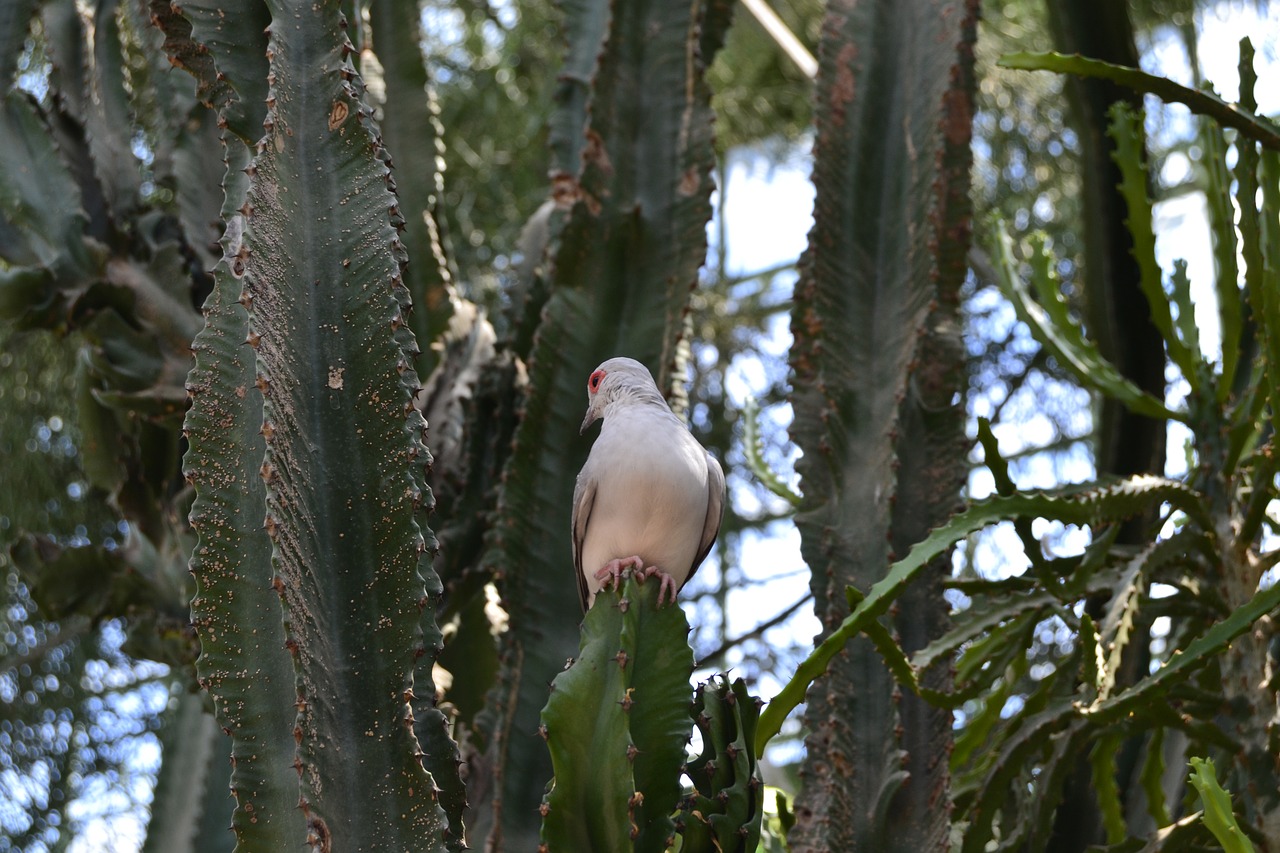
(584, 497)
(715, 511)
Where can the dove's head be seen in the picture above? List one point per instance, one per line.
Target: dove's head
(618, 381)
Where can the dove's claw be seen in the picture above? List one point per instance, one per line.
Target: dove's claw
(666, 583)
(611, 573)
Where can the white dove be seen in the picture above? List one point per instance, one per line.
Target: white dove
(649, 496)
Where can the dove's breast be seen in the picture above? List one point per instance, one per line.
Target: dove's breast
(651, 496)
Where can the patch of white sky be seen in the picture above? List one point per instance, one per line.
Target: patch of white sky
(768, 211)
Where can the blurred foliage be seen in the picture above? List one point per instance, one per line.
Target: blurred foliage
(760, 94)
(74, 710)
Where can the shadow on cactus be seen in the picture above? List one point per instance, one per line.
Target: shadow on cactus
(617, 724)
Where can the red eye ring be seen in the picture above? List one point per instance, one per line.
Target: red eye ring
(593, 384)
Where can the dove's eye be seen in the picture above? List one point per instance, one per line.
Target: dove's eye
(593, 384)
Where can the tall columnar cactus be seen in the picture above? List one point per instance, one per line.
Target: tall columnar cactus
(878, 367)
(335, 544)
(629, 240)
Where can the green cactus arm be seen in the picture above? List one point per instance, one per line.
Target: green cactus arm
(225, 52)
(726, 809)
(42, 222)
(412, 133)
(586, 24)
(616, 726)
(587, 726)
(109, 115)
(1268, 298)
(660, 665)
(753, 449)
(243, 662)
(188, 813)
(344, 448)
(1254, 127)
(876, 360)
(1218, 815)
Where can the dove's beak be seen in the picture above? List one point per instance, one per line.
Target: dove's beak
(588, 420)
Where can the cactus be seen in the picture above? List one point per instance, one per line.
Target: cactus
(878, 367)
(616, 727)
(725, 809)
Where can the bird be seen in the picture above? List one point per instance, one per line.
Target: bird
(649, 496)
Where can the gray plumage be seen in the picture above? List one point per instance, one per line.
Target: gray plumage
(649, 493)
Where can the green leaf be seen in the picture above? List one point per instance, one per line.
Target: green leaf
(1048, 317)
(1151, 777)
(344, 448)
(1055, 730)
(1195, 654)
(1090, 506)
(1218, 815)
(1223, 233)
(1102, 758)
(1255, 127)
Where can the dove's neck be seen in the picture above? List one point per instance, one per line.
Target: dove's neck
(637, 400)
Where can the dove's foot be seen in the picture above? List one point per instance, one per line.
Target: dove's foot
(611, 573)
(666, 583)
